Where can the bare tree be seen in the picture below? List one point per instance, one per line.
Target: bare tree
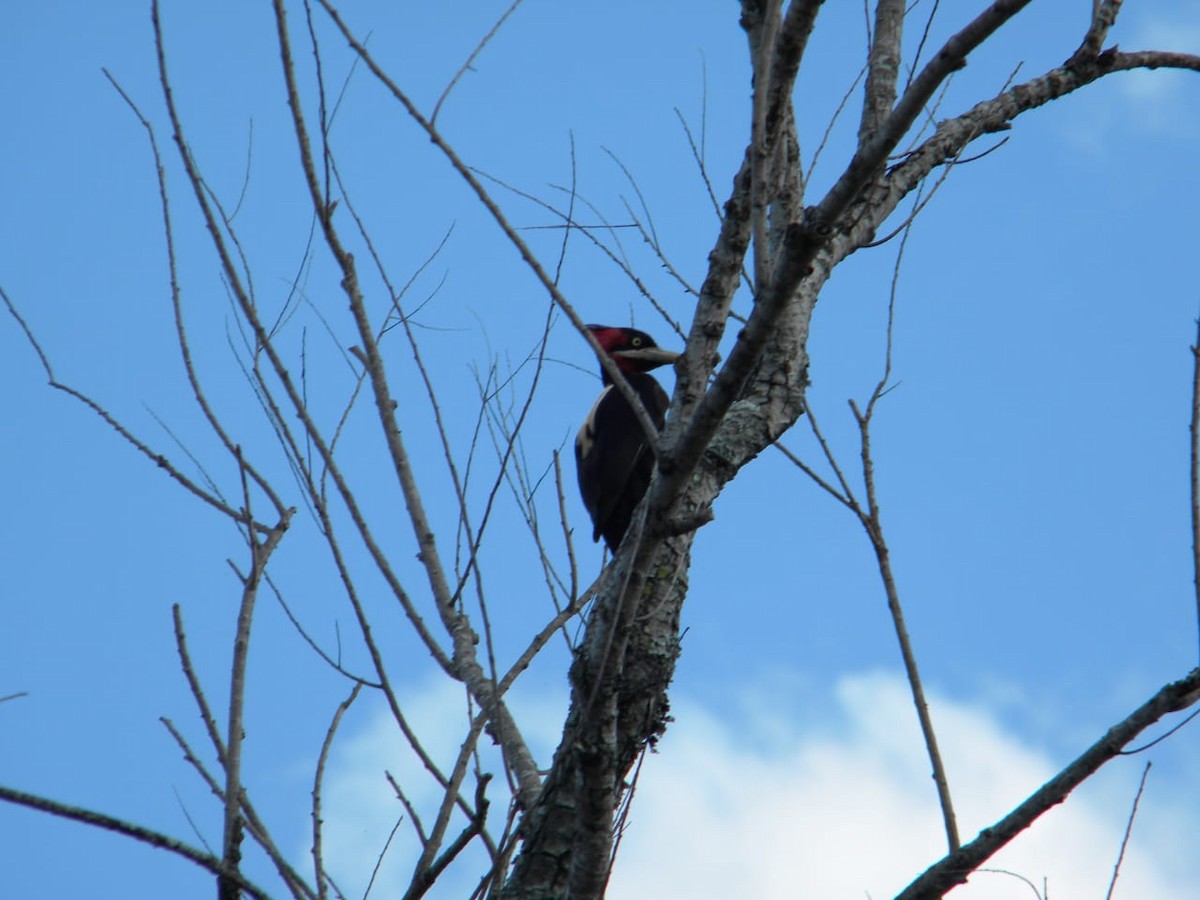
(735, 397)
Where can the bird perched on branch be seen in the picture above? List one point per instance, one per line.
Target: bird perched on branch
(613, 458)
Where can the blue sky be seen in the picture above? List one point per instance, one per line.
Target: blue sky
(1032, 461)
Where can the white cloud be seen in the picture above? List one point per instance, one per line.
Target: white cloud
(763, 803)
(360, 808)
(852, 813)
(1159, 99)
(1178, 31)
(1158, 102)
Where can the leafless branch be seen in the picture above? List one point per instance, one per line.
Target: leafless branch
(262, 341)
(254, 822)
(1194, 430)
(616, 257)
(470, 59)
(318, 777)
(883, 67)
(379, 860)
(426, 878)
(871, 522)
(189, 672)
(485, 198)
(137, 832)
(308, 639)
(157, 458)
(698, 157)
(260, 553)
(181, 333)
(1104, 16)
(953, 869)
(1112, 885)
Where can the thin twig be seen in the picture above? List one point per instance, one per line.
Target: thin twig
(1040, 895)
(874, 527)
(451, 796)
(1142, 748)
(1194, 430)
(1112, 885)
(464, 664)
(568, 540)
(874, 530)
(427, 877)
(308, 639)
(379, 860)
(847, 494)
(527, 255)
(411, 810)
(698, 157)
(254, 823)
(262, 340)
(617, 257)
(317, 821)
(817, 479)
(462, 70)
(157, 458)
(189, 672)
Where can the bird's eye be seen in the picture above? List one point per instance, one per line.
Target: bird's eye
(636, 342)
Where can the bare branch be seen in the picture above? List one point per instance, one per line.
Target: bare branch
(873, 525)
(433, 843)
(260, 553)
(411, 810)
(189, 672)
(317, 821)
(812, 473)
(953, 869)
(1104, 15)
(308, 639)
(883, 67)
(254, 823)
(1194, 430)
(137, 832)
(800, 247)
(1112, 885)
(872, 153)
(426, 878)
(263, 341)
(698, 157)
(522, 248)
(617, 257)
(157, 458)
(995, 114)
(761, 21)
(177, 309)
(470, 59)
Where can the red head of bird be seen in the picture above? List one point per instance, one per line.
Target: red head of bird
(632, 350)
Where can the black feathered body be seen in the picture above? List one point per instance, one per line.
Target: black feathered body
(612, 458)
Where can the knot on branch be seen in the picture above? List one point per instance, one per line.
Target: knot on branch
(752, 14)
(1089, 55)
(814, 225)
(687, 524)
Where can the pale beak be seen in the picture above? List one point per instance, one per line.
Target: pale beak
(655, 356)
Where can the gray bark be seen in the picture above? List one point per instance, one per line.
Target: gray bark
(718, 424)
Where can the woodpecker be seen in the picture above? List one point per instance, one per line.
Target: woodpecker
(613, 459)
